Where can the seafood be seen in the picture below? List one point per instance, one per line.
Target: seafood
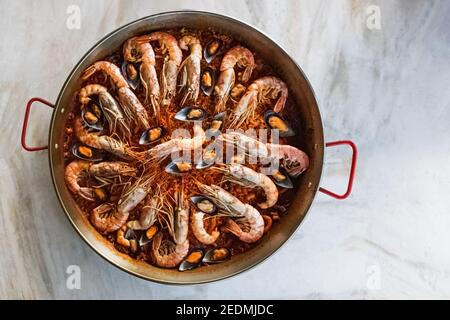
(148, 215)
(258, 93)
(166, 253)
(161, 151)
(243, 58)
(217, 255)
(190, 68)
(109, 217)
(249, 228)
(192, 261)
(226, 202)
(132, 107)
(141, 51)
(248, 177)
(212, 49)
(103, 142)
(78, 169)
(169, 73)
(73, 172)
(199, 230)
(294, 160)
(109, 106)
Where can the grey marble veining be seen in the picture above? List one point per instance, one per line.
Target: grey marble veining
(386, 89)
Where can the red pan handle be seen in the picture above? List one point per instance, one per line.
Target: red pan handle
(352, 169)
(25, 123)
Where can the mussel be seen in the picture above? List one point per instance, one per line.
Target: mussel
(217, 122)
(152, 135)
(281, 178)
(130, 72)
(204, 204)
(212, 49)
(216, 255)
(101, 194)
(192, 261)
(92, 115)
(191, 114)
(178, 167)
(147, 236)
(208, 81)
(275, 121)
(87, 153)
(132, 237)
(209, 157)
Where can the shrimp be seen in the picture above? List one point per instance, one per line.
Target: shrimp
(224, 200)
(95, 140)
(73, 172)
(294, 160)
(190, 68)
(109, 217)
(249, 228)
(259, 92)
(247, 177)
(198, 228)
(169, 73)
(243, 58)
(162, 150)
(148, 215)
(109, 106)
(80, 168)
(166, 253)
(139, 51)
(132, 107)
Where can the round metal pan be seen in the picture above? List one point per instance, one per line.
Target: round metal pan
(311, 131)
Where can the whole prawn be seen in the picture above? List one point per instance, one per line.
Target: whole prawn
(77, 169)
(294, 160)
(103, 142)
(109, 217)
(109, 106)
(243, 58)
(163, 150)
(259, 92)
(190, 69)
(169, 72)
(168, 254)
(132, 107)
(137, 50)
(249, 224)
(248, 177)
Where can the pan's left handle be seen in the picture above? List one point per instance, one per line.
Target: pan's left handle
(352, 145)
(25, 123)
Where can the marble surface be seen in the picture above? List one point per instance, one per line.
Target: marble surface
(386, 89)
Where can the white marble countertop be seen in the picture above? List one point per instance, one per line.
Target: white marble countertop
(387, 89)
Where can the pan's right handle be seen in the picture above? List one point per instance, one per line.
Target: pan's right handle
(25, 123)
(352, 169)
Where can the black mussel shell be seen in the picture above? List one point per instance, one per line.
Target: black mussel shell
(87, 153)
(92, 115)
(204, 204)
(130, 72)
(275, 121)
(212, 49)
(281, 178)
(217, 122)
(178, 167)
(148, 235)
(152, 135)
(217, 255)
(193, 260)
(208, 81)
(208, 158)
(191, 114)
(101, 194)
